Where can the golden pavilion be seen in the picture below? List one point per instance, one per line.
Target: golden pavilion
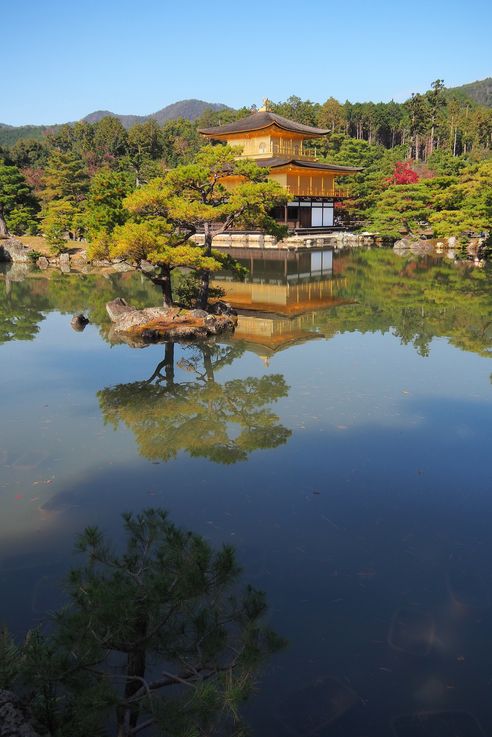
(281, 145)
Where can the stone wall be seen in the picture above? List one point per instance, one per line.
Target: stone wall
(336, 239)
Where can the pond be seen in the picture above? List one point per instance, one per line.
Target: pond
(341, 440)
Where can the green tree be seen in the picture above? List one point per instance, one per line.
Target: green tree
(105, 208)
(61, 218)
(66, 183)
(401, 209)
(294, 108)
(418, 111)
(181, 141)
(66, 178)
(332, 116)
(29, 153)
(158, 634)
(145, 148)
(466, 204)
(110, 140)
(436, 102)
(18, 206)
(170, 210)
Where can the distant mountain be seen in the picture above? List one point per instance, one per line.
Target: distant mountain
(187, 109)
(480, 91)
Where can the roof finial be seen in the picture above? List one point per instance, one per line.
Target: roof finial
(266, 105)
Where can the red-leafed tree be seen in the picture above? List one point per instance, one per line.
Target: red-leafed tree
(403, 174)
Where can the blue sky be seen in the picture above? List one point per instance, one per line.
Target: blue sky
(62, 60)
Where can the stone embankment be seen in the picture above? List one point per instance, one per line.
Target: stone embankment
(155, 324)
(14, 251)
(448, 247)
(337, 239)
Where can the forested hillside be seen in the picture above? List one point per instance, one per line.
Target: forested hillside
(427, 165)
(480, 91)
(185, 109)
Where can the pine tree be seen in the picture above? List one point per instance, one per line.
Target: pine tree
(158, 634)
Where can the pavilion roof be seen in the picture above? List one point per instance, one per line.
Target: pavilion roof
(263, 119)
(279, 161)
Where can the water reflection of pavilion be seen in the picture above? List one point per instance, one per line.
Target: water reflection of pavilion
(278, 300)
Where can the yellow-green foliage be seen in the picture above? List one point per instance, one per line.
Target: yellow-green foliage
(450, 205)
(168, 211)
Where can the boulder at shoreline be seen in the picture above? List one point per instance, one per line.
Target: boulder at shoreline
(155, 324)
(14, 251)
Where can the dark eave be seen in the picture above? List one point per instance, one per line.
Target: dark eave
(258, 121)
(278, 161)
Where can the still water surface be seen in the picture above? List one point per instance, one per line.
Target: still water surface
(341, 440)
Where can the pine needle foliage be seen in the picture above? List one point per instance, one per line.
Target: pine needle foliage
(157, 633)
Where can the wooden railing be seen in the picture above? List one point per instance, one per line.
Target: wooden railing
(306, 191)
(280, 148)
(287, 148)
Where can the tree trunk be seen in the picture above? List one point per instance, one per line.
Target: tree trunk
(204, 274)
(167, 289)
(4, 231)
(164, 282)
(135, 671)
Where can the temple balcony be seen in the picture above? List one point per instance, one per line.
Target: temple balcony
(255, 149)
(294, 150)
(305, 190)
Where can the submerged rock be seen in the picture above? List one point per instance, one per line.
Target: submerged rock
(78, 322)
(154, 324)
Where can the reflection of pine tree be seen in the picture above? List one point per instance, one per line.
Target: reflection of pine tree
(221, 422)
